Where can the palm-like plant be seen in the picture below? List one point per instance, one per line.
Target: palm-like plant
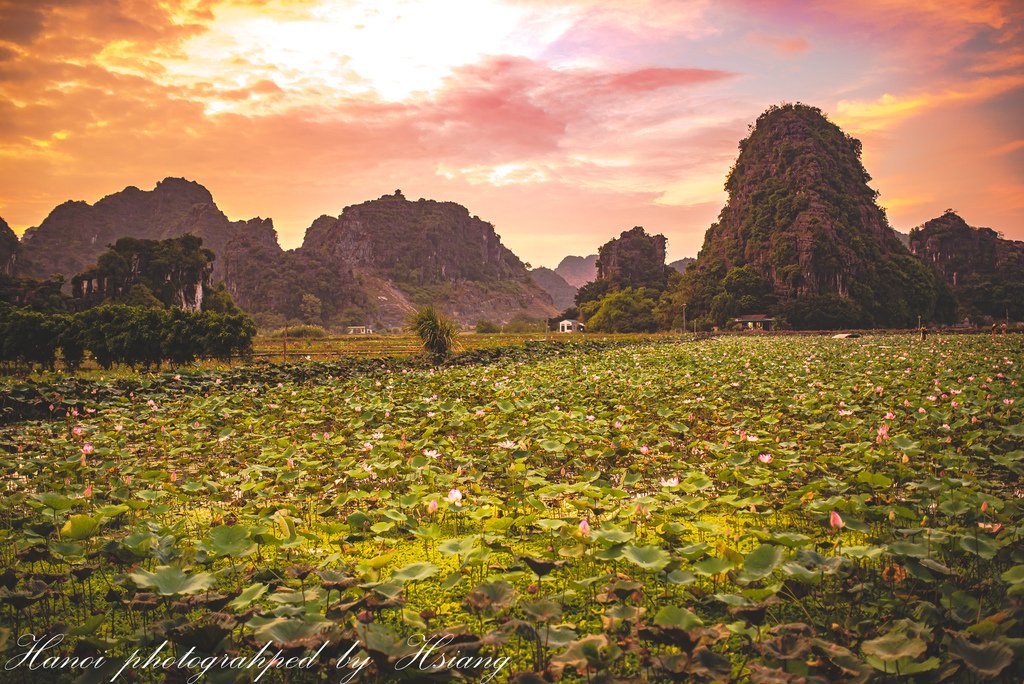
(435, 331)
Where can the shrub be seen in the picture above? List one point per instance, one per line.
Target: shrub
(116, 333)
(435, 331)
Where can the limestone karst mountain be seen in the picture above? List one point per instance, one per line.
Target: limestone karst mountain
(802, 237)
(371, 265)
(409, 253)
(985, 271)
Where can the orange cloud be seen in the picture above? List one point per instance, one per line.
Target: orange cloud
(783, 45)
(890, 110)
(555, 120)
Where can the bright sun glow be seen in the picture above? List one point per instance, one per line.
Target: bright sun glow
(326, 52)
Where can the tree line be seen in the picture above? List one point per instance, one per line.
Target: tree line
(121, 334)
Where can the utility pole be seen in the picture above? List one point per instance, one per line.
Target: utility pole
(684, 317)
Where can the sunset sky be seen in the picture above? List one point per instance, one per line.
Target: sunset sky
(563, 123)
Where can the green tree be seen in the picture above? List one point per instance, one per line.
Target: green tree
(629, 310)
(311, 308)
(140, 295)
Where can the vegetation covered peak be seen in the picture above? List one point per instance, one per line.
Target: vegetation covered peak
(802, 237)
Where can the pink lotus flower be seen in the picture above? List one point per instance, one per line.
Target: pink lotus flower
(454, 497)
(670, 482)
(883, 433)
(291, 462)
(479, 413)
(644, 450)
(835, 521)
(993, 528)
(618, 424)
(984, 506)
(765, 458)
(88, 491)
(890, 415)
(87, 448)
(174, 476)
(432, 506)
(77, 430)
(584, 528)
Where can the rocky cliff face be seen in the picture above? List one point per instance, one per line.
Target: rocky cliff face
(8, 248)
(175, 272)
(419, 243)
(959, 251)
(412, 253)
(562, 293)
(802, 236)
(634, 259)
(75, 234)
(373, 264)
(577, 270)
(985, 271)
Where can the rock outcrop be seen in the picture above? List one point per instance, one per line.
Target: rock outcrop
(985, 271)
(410, 253)
(76, 233)
(634, 259)
(173, 272)
(373, 264)
(802, 237)
(8, 249)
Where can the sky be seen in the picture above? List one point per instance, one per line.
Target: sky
(562, 123)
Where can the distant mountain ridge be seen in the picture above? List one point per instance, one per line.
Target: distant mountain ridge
(682, 264)
(577, 270)
(562, 293)
(371, 265)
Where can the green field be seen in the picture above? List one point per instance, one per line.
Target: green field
(757, 509)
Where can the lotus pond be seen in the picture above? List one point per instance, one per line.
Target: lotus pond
(737, 509)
